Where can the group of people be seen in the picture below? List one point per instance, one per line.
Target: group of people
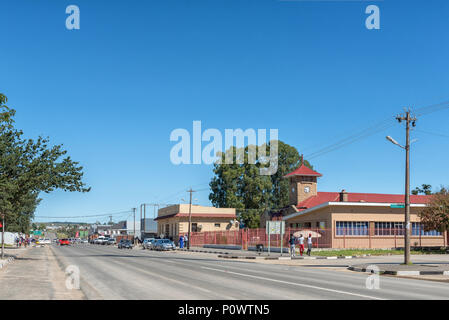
(300, 241)
(22, 241)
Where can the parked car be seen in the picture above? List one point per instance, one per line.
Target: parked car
(111, 241)
(148, 243)
(64, 242)
(125, 244)
(164, 245)
(99, 240)
(84, 241)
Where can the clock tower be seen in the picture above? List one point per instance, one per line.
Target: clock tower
(303, 183)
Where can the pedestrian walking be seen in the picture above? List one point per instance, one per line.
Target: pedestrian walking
(292, 245)
(301, 244)
(309, 244)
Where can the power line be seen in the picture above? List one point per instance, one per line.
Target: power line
(433, 133)
(87, 216)
(381, 126)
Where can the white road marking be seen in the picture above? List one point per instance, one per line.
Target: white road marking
(294, 283)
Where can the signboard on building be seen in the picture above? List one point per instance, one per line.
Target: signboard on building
(275, 227)
(397, 205)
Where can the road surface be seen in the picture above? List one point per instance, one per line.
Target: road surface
(110, 273)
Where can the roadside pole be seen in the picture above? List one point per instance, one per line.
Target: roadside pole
(3, 235)
(190, 218)
(282, 236)
(269, 238)
(134, 235)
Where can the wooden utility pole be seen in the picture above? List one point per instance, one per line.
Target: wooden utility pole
(3, 235)
(408, 120)
(134, 235)
(190, 217)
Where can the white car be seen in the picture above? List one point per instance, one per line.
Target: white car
(44, 241)
(100, 240)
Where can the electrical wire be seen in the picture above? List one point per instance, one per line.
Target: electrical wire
(86, 216)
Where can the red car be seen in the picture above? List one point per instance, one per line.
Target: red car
(64, 242)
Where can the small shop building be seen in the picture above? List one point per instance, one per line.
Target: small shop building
(173, 221)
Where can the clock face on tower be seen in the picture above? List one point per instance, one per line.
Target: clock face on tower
(306, 189)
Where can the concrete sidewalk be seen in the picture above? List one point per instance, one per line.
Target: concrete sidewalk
(35, 275)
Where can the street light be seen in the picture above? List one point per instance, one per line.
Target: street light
(408, 120)
(394, 142)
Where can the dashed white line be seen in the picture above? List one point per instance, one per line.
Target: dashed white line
(294, 283)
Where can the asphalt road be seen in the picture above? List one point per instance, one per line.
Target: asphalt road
(110, 273)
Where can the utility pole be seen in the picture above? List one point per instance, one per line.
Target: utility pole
(190, 217)
(408, 119)
(3, 235)
(134, 235)
(110, 222)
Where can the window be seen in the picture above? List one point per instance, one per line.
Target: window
(352, 228)
(389, 228)
(217, 225)
(418, 229)
(194, 227)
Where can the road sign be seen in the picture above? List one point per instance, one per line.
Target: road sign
(37, 233)
(274, 227)
(397, 205)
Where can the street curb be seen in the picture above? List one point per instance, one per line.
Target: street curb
(12, 258)
(294, 258)
(6, 262)
(203, 251)
(401, 273)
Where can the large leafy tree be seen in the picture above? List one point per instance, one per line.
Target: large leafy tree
(436, 214)
(241, 186)
(29, 167)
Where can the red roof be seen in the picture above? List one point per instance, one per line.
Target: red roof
(323, 197)
(303, 171)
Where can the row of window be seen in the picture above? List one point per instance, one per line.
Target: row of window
(360, 228)
(172, 228)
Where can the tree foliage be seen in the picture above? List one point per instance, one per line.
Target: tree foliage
(436, 214)
(425, 189)
(29, 167)
(241, 186)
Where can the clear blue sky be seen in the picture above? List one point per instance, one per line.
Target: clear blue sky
(113, 91)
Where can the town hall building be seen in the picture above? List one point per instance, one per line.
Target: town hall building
(352, 220)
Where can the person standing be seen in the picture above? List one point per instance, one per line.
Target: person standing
(186, 240)
(181, 242)
(301, 244)
(292, 245)
(309, 244)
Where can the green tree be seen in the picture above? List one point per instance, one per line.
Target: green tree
(240, 185)
(435, 216)
(29, 167)
(425, 189)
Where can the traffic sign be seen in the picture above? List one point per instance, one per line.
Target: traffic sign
(397, 205)
(274, 227)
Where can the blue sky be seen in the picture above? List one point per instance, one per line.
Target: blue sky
(113, 91)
